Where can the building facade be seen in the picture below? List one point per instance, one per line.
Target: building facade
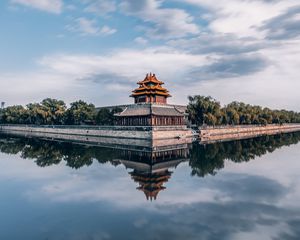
(150, 106)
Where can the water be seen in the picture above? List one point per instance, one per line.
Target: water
(248, 189)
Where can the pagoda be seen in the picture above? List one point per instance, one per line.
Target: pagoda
(150, 91)
(150, 106)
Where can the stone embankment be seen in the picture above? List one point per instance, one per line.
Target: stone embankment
(119, 132)
(226, 133)
(145, 136)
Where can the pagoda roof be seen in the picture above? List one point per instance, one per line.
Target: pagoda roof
(137, 93)
(150, 78)
(154, 87)
(146, 109)
(150, 86)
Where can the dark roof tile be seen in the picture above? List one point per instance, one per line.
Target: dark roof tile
(147, 109)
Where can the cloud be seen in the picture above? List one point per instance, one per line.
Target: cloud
(267, 77)
(89, 27)
(106, 30)
(132, 64)
(141, 40)
(90, 76)
(109, 81)
(242, 17)
(230, 67)
(101, 7)
(284, 26)
(164, 23)
(275, 86)
(214, 43)
(53, 6)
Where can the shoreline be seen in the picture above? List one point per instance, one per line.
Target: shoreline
(147, 135)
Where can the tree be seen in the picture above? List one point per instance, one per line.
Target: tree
(202, 108)
(106, 117)
(36, 114)
(52, 111)
(206, 110)
(232, 116)
(80, 112)
(14, 114)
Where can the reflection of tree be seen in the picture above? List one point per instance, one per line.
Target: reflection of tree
(47, 153)
(11, 146)
(207, 159)
(78, 157)
(44, 153)
(204, 159)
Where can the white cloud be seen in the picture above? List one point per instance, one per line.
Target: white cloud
(106, 30)
(53, 6)
(141, 40)
(242, 17)
(128, 63)
(275, 86)
(89, 27)
(101, 79)
(101, 7)
(107, 79)
(168, 22)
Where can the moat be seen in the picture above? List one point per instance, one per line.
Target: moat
(243, 189)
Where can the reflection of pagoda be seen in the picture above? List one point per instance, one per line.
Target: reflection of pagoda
(151, 169)
(150, 106)
(151, 183)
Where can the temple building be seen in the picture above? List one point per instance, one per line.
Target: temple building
(150, 106)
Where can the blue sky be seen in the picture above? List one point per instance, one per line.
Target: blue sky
(96, 50)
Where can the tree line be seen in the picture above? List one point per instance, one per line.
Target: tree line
(201, 110)
(204, 110)
(203, 159)
(55, 112)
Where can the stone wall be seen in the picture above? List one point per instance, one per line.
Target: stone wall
(223, 133)
(171, 132)
(118, 132)
(120, 143)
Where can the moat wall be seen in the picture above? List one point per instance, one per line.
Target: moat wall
(226, 133)
(145, 136)
(118, 132)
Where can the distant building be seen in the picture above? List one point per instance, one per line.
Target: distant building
(2, 104)
(150, 106)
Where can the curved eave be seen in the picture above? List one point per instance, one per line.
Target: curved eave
(150, 81)
(150, 89)
(150, 93)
